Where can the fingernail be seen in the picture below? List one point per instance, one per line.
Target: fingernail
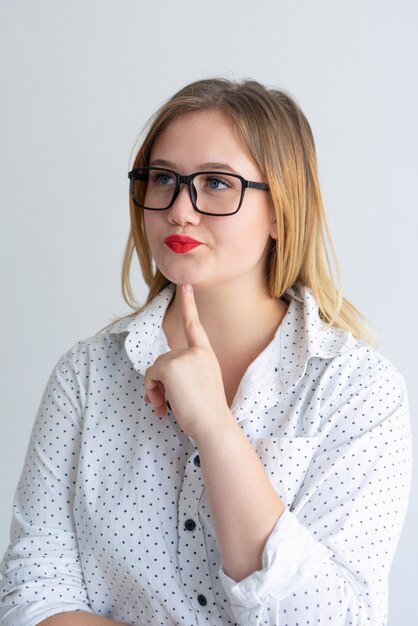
(187, 288)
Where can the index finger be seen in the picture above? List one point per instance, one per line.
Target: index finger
(193, 329)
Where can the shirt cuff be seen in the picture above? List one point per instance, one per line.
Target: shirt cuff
(290, 557)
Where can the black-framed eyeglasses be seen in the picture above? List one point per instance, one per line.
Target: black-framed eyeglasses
(211, 193)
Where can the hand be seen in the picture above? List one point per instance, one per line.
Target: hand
(190, 379)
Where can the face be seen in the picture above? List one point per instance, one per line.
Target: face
(233, 247)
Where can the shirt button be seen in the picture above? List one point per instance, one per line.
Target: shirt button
(202, 600)
(196, 460)
(189, 524)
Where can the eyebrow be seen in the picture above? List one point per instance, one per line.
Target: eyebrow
(210, 165)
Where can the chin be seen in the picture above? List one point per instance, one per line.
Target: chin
(177, 274)
(186, 278)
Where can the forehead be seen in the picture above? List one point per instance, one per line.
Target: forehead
(202, 137)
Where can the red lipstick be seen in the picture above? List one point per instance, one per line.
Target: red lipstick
(181, 244)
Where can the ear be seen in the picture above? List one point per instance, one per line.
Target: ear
(273, 224)
(273, 229)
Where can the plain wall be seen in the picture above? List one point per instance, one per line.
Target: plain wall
(79, 80)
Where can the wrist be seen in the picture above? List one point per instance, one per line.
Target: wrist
(215, 427)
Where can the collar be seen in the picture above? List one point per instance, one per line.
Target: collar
(279, 366)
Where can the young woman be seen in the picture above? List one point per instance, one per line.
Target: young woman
(236, 451)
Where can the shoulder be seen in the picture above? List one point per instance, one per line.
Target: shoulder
(363, 386)
(358, 364)
(96, 351)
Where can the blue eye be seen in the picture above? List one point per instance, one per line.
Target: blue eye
(162, 179)
(216, 183)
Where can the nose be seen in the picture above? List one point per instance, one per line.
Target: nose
(182, 210)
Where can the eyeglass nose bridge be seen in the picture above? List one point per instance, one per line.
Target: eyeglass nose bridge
(188, 181)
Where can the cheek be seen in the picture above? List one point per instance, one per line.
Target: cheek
(250, 233)
(244, 247)
(151, 225)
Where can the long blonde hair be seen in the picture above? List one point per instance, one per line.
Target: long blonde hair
(277, 136)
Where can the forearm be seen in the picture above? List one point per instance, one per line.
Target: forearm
(243, 503)
(77, 618)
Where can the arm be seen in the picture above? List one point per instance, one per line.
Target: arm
(41, 569)
(187, 376)
(243, 493)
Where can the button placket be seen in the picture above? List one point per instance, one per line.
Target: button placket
(192, 555)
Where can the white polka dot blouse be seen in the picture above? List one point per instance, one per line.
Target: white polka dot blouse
(111, 517)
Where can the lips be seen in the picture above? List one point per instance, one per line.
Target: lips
(181, 244)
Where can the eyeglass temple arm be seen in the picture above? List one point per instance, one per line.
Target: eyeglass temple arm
(134, 174)
(252, 185)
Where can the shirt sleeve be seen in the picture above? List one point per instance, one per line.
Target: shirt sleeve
(328, 557)
(41, 572)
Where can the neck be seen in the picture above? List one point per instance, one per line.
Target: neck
(228, 312)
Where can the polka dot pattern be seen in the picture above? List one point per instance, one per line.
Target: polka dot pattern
(111, 515)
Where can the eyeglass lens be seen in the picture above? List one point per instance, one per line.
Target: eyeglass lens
(215, 193)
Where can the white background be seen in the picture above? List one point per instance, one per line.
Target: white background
(79, 79)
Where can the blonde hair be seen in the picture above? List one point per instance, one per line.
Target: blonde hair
(277, 136)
